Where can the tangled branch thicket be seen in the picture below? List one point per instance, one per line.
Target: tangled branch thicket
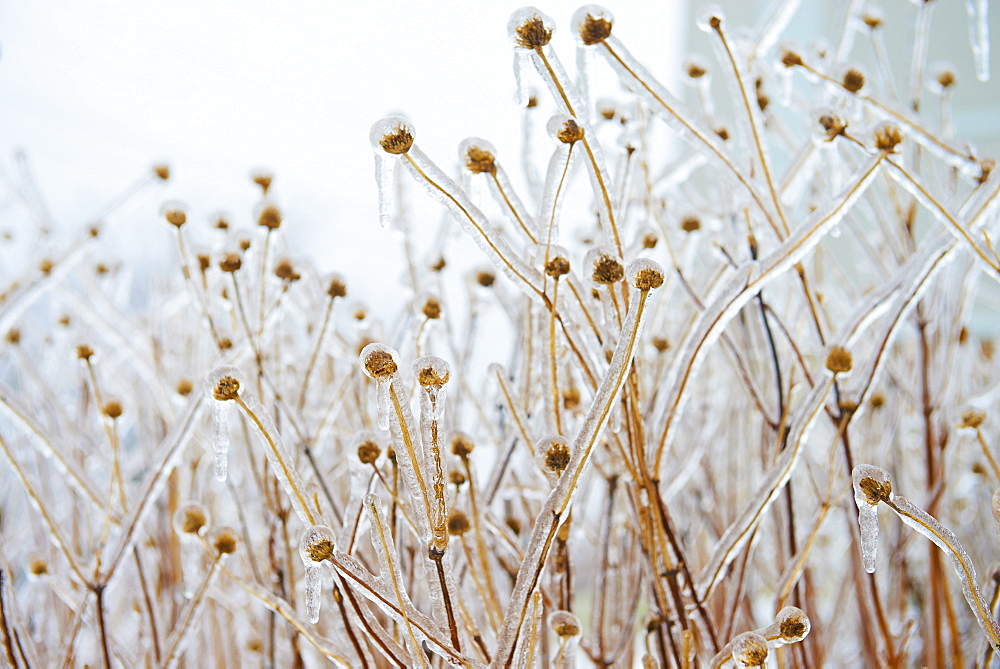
(629, 439)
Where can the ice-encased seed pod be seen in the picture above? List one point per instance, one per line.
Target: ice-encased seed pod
(750, 650)
(379, 363)
(564, 624)
(222, 385)
(792, 625)
(553, 452)
(603, 266)
(564, 129)
(432, 373)
(645, 274)
(192, 519)
(478, 156)
(710, 18)
(223, 539)
(529, 28)
(318, 545)
(592, 24)
(391, 137)
(871, 486)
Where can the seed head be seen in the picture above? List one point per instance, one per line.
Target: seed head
(393, 134)
(872, 18)
(877, 401)
(649, 240)
(83, 352)
(557, 266)
(244, 243)
(462, 445)
(833, 125)
(262, 179)
(431, 371)
(337, 288)
(227, 388)
(871, 485)
(230, 262)
(379, 361)
(750, 650)
(221, 223)
(593, 24)
(184, 387)
(839, 360)
(458, 524)
(269, 217)
(175, 216)
(695, 69)
(456, 477)
(13, 336)
(556, 455)
(945, 79)
(887, 136)
(986, 168)
(972, 419)
(485, 278)
(224, 540)
(606, 268)
(569, 131)
(529, 28)
(112, 409)
(690, 223)
(791, 59)
(571, 398)
(646, 274)
(480, 160)
(191, 519)
(793, 624)
(45, 265)
(285, 271)
(321, 549)
(564, 624)
(38, 567)
(162, 171)
(853, 81)
(431, 309)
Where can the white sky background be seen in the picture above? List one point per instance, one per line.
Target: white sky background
(94, 92)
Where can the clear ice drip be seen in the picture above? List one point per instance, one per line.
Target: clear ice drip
(220, 438)
(383, 402)
(871, 485)
(315, 548)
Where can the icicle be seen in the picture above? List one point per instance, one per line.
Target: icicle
(871, 486)
(220, 438)
(317, 546)
(382, 402)
(521, 59)
(391, 137)
(979, 36)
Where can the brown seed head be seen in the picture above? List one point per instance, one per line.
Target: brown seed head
(649, 240)
(368, 452)
(230, 262)
(696, 70)
(986, 168)
(875, 491)
(269, 217)
(184, 387)
(380, 364)
(38, 567)
(161, 171)
(791, 59)
(792, 628)
(263, 179)
(570, 132)
(112, 409)
(839, 360)
(723, 133)
(972, 419)
(204, 262)
(571, 398)
(887, 137)
(45, 265)
(221, 223)
(557, 267)
(175, 217)
(647, 278)
(946, 79)
(877, 401)
(13, 336)
(431, 309)
(193, 520)
(690, 223)
(458, 524)
(227, 388)
(533, 34)
(397, 141)
(871, 20)
(428, 376)
(225, 343)
(461, 446)
(337, 288)
(752, 651)
(480, 161)
(565, 629)
(557, 457)
(285, 271)
(594, 30)
(83, 352)
(661, 344)
(225, 541)
(456, 477)
(607, 270)
(853, 81)
(320, 550)
(532, 102)
(485, 278)
(833, 125)
(244, 244)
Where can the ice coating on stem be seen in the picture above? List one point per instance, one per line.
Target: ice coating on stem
(522, 94)
(222, 385)
(318, 545)
(390, 137)
(979, 36)
(382, 402)
(750, 649)
(432, 374)
(791, 625)
(871, 486)
(567, 627)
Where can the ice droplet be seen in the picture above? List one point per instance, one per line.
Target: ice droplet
(314, 578)
(220, 439)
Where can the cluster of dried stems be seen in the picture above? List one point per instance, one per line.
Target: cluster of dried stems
(627, 440)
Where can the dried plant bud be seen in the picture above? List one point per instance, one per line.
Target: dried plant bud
(986, 168)
(793, 624)
(318, 544)
(431, 370)
(174, 214)
(64, 320)
(565, 129)
(393, 134)
(887, 137)
(555, 454)
(478, 155)
(877, 401)
(710, 18)
(722, 133)
(192, 518)
(45, 265)
(458, 524)
(750, 650)
(839, 360)
(650, 240)
(485, 278)
(690, 223)
(285, 271)
(204, 262)
(873, 18)
(221, 223)
(646, 274)
(557, 267)
(161, 171)
(223, 383)
(244, 243)
(833, 125)
(13, 336)
(695, 68)
(230, 262)
(456, 477)
(462, 445)
(564, 624)
(791, 59)
(262, 179)
(84, 352)
(605, 267)
(972, 419)
(225, 343)
(528, 28)
(853, 80)
(571, 398)
(38, 567)
(337, 287)
(368, 452)
(945, 78)
(269, 217)
(606, 109)
(431, 308)
(224, 540)
(661, 344)
(379, 361)
(112, 409)
(184, 387)
(593, 24)
(871, 485)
